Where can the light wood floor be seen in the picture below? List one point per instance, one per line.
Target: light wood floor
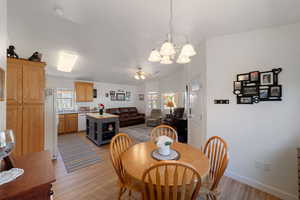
(99, 182)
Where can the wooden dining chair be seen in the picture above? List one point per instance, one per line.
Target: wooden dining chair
(171, 180)
(119, 144)
(216, 150)
(164, 130)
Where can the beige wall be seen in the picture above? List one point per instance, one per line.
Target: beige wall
(263, 137)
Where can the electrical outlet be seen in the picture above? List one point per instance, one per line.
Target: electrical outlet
(262, 165)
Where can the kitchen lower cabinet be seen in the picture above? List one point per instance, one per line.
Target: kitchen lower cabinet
(68, 123)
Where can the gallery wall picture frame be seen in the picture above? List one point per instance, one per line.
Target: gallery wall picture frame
(254, 76)
(237, 87)
(243, 77)
(264, 93)
(244, 100)
(275, 91)
(250, 91)
(267, 78)
(2, 84)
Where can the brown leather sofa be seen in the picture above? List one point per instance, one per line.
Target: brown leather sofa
(128, 115)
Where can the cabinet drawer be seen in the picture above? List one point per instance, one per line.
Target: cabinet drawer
(75, 115)
(61, 116)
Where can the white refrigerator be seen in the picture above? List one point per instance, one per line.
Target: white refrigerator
(51, 122)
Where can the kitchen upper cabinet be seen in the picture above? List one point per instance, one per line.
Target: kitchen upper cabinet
(84, 91)
(14, 122)
(14, 82)
(33, 128)
(33, 82)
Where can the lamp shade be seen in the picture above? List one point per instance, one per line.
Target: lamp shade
(188, 50)
(154, 56)
(170, 104)
(166, 60)
(183, 59)
(167, 49)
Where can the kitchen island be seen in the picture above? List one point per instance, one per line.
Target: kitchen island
(100, 129)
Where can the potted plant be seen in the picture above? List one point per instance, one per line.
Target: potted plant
(101, 108)
(164, 145)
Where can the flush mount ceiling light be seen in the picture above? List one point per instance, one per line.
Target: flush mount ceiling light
(66, 61)
(166, 54)
(140, 75)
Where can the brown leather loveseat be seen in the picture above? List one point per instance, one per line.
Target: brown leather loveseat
(128, 115)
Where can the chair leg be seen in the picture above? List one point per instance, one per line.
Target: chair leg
(121, 192)
(129, 193)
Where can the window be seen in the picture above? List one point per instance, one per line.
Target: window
(65, 99)
(153, 100)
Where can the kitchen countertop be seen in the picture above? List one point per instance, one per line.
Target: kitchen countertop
(76, 112)
(104, 116)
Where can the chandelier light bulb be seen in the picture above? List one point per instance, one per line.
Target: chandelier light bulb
(137, 77)
(167, 49)
(188, 50)
(154, 56)
(143, 77)
(183, 59)
(166, 60)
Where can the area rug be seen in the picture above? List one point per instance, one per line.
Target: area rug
(140, 133)
(76, 153)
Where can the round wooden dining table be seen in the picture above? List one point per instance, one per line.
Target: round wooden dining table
(138, 158)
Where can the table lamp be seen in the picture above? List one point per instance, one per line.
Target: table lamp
(170, 105)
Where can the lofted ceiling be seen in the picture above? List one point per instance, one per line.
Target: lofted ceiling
(113, 37)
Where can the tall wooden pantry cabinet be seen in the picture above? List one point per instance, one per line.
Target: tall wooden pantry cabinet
(25, 104)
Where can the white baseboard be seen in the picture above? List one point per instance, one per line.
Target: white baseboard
(266, 188)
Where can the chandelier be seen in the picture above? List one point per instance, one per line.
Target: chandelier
(168, 51)
(140, 75)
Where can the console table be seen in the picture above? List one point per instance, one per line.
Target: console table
(100, 129)
(35, 183)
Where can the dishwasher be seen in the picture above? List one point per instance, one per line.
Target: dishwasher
(82, 122)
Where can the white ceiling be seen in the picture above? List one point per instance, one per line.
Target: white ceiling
(112, 37)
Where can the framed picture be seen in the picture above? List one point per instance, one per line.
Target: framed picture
(267, 78)
(2, 84)
(243, 77)
(237, 85)
(141, 97)
(120, 96)
(275, 91)
(250, 91)
(254, 76)
(263, 93)
(112, 93)
(245, 100)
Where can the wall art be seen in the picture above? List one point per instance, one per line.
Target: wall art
(256, 86)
